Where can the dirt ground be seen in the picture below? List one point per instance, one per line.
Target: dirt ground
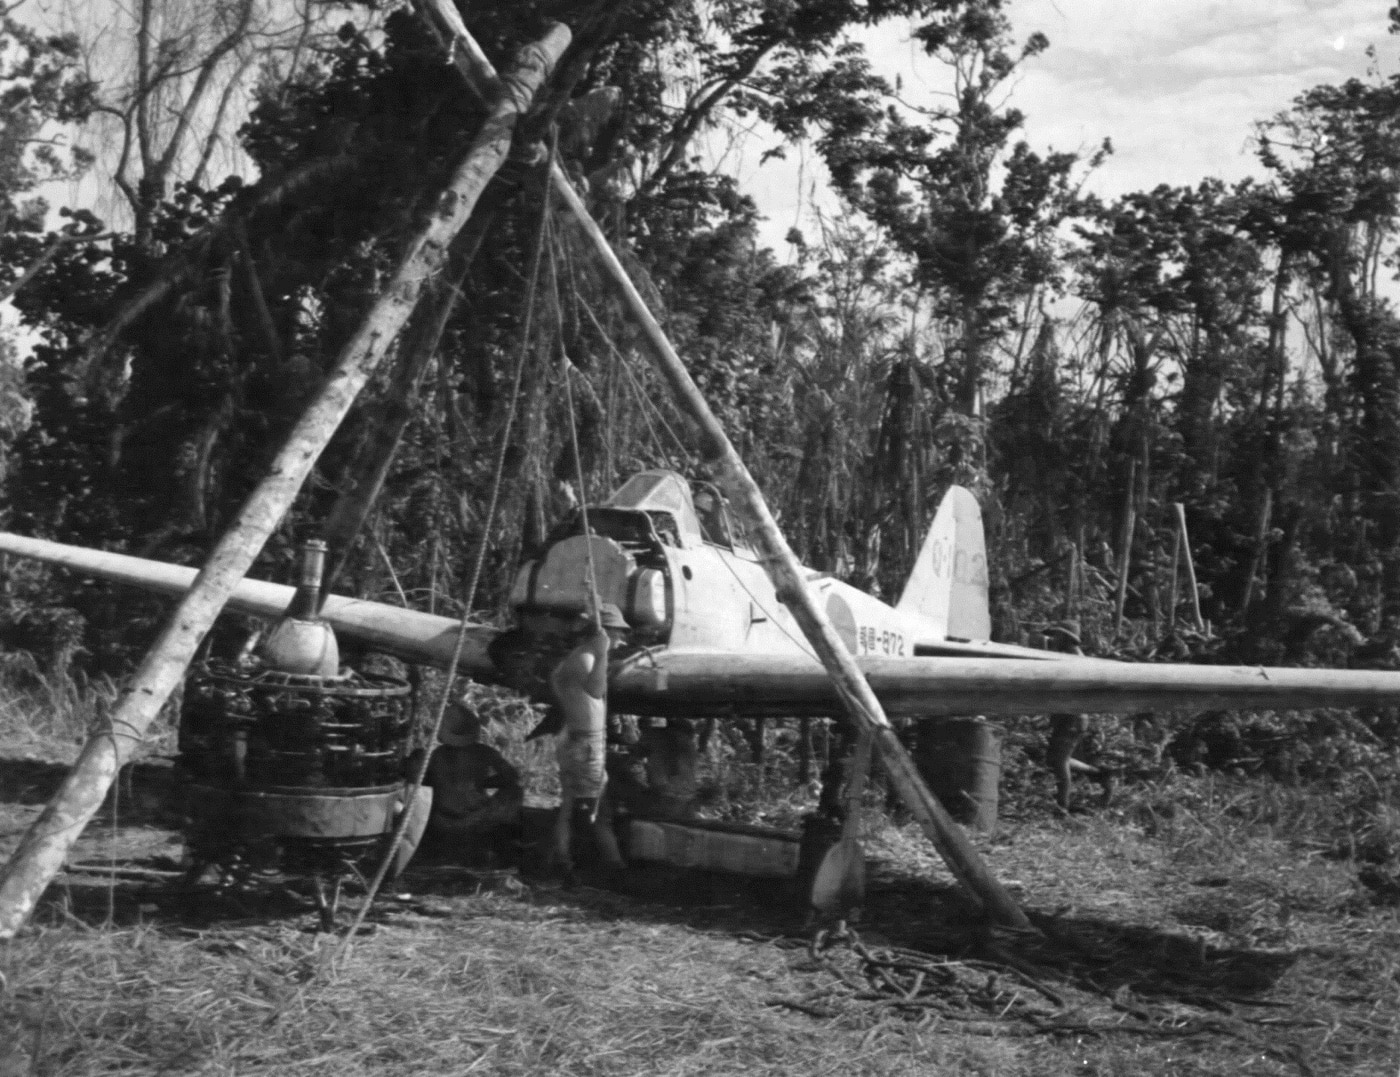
(1165, 945)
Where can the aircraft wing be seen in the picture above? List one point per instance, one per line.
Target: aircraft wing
(971, 678)
(698, 683)
(408, 634)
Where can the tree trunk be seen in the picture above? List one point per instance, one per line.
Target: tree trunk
(757, 734)
(1125, 547)
(1174, 594)
(370, 466)
(44, 847)
(1190, 567)
(1261, 547)
(804, 751)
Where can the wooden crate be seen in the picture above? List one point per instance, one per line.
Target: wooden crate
(742, 850)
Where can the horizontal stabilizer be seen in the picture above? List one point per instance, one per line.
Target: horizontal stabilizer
(697, 683)
(422, 638)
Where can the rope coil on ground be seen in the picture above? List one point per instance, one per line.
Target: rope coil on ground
(896, 987)
(910, 979)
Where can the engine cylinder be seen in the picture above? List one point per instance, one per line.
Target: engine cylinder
(294, 772)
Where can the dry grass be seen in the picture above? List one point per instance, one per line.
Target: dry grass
(48, 717)
(485, 984)
(1156, 959)
(1203, 926)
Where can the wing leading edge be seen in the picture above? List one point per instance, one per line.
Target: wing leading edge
(707, 682)
(408, 634)
(673, 682)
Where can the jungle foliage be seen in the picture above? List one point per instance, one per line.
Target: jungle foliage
(1084, 364)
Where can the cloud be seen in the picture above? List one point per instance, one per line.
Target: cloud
(1177, 85)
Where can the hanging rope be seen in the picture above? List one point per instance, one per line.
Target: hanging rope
(591, 579)
(401, 826)
(644, 401)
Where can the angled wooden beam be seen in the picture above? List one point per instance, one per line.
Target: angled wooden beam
(45, 845)
(860, 703)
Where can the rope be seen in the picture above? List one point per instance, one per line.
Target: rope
(401, 826)
(592, 577)
(642, 398)
(645, 403)
(912, 981)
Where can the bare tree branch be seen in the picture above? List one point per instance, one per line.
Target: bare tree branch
(66, 237)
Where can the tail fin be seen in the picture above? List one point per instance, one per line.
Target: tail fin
(949, 581)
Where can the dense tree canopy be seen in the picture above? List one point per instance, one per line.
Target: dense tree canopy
(1084, 364)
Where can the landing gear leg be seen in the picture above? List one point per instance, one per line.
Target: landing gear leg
(327, 904)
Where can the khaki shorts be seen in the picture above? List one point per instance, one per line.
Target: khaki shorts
(582, 774)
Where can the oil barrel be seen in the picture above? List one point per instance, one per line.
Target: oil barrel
(960, 759)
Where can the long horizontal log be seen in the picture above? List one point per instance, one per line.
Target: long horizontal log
(425, 638)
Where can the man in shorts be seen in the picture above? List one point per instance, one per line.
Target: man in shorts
(580, 684)
(1068, 730)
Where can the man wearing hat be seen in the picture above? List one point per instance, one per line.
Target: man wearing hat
(1067, 730)
(580, 684)
(477, 795)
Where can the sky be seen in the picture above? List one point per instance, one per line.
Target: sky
(1177, 85)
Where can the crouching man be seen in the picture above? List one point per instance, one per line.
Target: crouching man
(580, 684)
(477, 795)
(668, 756)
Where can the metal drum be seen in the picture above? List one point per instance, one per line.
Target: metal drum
(960, 759)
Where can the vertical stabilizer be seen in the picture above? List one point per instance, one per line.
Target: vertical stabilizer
(949, 583)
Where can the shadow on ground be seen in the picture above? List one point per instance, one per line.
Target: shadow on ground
(144, 795)
(1089, 954)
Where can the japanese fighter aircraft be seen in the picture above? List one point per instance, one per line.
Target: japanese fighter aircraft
(709, 635)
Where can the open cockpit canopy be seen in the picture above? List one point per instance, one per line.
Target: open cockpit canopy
(661, 492)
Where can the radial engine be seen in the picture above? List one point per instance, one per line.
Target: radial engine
(294, 764)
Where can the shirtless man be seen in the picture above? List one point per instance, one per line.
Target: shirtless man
(580, 684)
(477, 795)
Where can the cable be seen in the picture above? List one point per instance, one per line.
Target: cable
(564, 364)
(411, 796)
(645, 400)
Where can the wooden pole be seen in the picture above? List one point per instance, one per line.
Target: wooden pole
(1175, 593)
(859, 702)
(45, 846)
(1125, 547)
(1190, 567)
(861, 706)
(1261, 547)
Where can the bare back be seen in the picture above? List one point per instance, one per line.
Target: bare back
(580, 683)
